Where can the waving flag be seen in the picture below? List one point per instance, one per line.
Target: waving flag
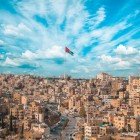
(67, 50)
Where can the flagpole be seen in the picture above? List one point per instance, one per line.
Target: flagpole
(67, 50)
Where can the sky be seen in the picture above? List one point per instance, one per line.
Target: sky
(103, 34)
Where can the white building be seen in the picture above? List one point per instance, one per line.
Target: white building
(91, 131)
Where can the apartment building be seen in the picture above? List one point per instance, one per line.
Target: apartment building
(119, 122)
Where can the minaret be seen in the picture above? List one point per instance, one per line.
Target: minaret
(59, 104)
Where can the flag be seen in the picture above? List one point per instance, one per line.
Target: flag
(67, 50)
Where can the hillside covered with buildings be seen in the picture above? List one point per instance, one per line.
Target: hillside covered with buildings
(101, 108)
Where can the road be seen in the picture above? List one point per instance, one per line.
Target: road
(69, 129)
(64, 134)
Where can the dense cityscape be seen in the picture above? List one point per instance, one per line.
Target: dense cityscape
(101, 108)
(69, 69)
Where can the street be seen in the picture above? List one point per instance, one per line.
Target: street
(69, 129)
(64, 134)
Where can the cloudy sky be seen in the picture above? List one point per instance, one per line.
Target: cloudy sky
(103, 34)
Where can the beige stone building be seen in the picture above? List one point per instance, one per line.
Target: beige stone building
(17, 97)
(119, 122)
(17, 111)
(24, 99)
(115, 102)
(137, 110)
(90, 131)
(132, 124)
(104, 76)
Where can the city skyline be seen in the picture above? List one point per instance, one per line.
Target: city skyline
(103, 34)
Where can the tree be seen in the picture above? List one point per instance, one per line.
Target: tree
(11, 122)
(123, 130)
(129, 127)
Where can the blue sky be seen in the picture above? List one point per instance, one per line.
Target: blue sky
(103, 34)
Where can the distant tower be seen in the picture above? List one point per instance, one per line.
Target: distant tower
(40, 117)
(59, 104)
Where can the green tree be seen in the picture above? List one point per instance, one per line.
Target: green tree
(123, 130)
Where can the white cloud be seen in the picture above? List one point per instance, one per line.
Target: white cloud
(106, 42)
(124, 50)
(122, 65)
(106, 34)
(109, 59)
(98, 18)
(136, 59)
(83, 39)
(1, 42)
(115, 62)
(10, 30)
(16, 30)
(101, 15)
(81, 68)
(75, 71)
(10, 62)
(58, 8)
(29, 55)
(1, 56)
(75, 21)
(22, 27)
(53, 52)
